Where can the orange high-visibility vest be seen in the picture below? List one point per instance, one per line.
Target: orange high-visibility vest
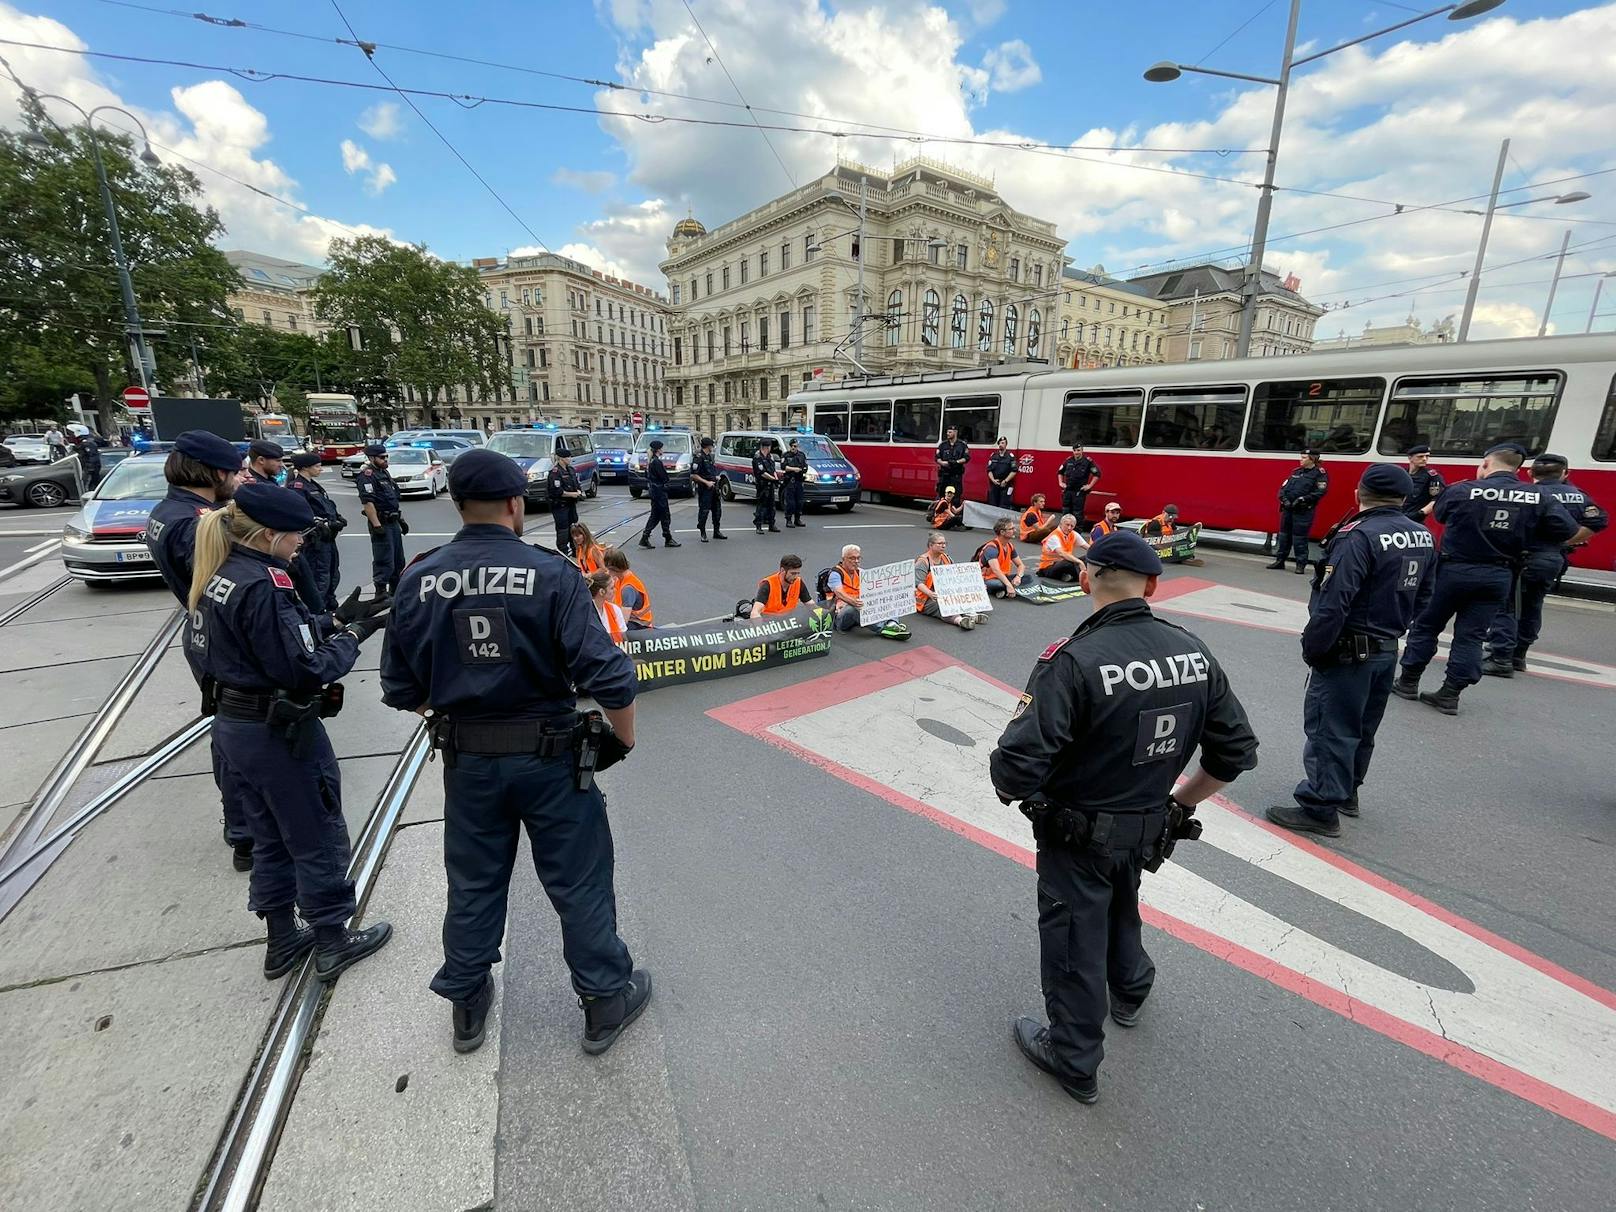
(1032, 520)
(1066, 541)
(589, 559)
(940, 509)
(850, 584)
(775, 603)
(611, 618)
(1161, 520)
(643, 615)
(1005, 562)
(925, 589)
(1101, 529)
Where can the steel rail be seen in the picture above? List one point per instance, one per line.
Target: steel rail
(28, 562)
(23, 608)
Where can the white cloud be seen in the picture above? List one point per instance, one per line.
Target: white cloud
(356, 160)
(382, 121)
(1011, 66)
(589, 182)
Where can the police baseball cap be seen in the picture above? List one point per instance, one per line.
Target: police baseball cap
(1386, 480)
(263, 448)
(376, 450)
(486, 475)
(1125, 550)
(1170, 509)
(276, 507)
(793, 441)
(656, 444)
(1550, 460)
(304, 458)
(208, 449)
(1420, 449)
(1505, 448)
(1314, 453)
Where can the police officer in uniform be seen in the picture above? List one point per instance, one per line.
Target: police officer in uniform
(317, 569)
(201, 472)
(1378, 570)
(1489, 525)
(89, 451)
(764, 478)
(564, 493)
(265, 460)
(1002, 476)
(952, 456)
(1110, 719)
(1299, 497)
(656, 484)
(378, 497)
(1428, 484)
(793, 470)
(496, 638)
(704, 474)
(1545, 563)
(1077, 475)
(272, 666)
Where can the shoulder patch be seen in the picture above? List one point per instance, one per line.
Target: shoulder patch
(1022, 704)
(1346, 526)
(1049, 652)
(279, 578)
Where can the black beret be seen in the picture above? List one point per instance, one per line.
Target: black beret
(1125, 550)
(263, 448)
(1502, 447)
(1386, 480)
(657, 443)
(209, 449)
(1420, 449)
(486, 475)
(1550, 460)
(375, 449)
(304, 458)
(276, 507)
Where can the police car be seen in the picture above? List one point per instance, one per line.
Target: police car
(614, 454)
(534, 451)
(105, 540)
(678, 451)
(831, 479)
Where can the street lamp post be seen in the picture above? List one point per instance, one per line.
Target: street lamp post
(1166, 70)
(1593, 308)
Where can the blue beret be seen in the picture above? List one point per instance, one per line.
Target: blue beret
(304, 458)
(1386, 480)
(276, 507)
(486, 475)
(1502, 447)
(1420, 449)
(657, 444)
(375, 449)
(263, 448)
(1125, 550)
(1550, 460)
(209, 449)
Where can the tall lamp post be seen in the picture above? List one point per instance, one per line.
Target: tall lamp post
(140, 352)
(1160, 73)
(1593, 308)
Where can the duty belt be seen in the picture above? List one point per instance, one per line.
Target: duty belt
(1082, 829)
(549, 737)
(244, 704)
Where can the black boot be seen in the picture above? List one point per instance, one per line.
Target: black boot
(645, 540)
(471, 1017)
(1407, 685)
(1350, 808)
(1300, 568)
(605, 1017)
(1279, 564)
(241, 852)
(703, 535)
(1033, 1040)
(1518, 661)
(288, 944)
(670, 541)
(1497, 667)
(789, 524)
(719, 534)
(774, 530)
(1445, 700)
(337, 948)
(1125, 1014)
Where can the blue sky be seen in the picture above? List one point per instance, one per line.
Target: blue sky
(1414, 118)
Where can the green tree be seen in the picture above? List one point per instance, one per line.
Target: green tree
(254, 362)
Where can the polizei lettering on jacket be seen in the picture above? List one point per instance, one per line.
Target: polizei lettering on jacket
(474, 582)
(1512, 496)
(1406, 539)
(1179, 669)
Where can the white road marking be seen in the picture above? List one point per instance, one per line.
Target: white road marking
(56, 542)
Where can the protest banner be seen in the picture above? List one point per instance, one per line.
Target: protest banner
(887, 591)
(960, 589)
(1042, 593)
(982, 517)
(1175, 547)
(695, 652)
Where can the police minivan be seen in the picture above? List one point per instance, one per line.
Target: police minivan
(678, 452)
(831, 479)
(534, 452)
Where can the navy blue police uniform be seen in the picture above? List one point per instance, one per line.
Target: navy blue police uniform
(793, 471)
(1377, 571)
(1075, 474)
(90, 456)
(263, 448)
(563, 508)
(271, 664)
(171, 539)
(1488, 526)
(498, 638)
(656, 485)
(1428, 485)
(317, 570)
(1001, 467)
(1545, 563)
(376, 489)
(1110, 718)
(708, 500)
(1299, 498)
(764, 476)
(951, 460)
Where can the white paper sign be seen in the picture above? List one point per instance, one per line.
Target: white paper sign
(887, 591)
(960, 589)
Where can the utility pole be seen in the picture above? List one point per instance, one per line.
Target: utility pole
(858, 316)
(1481, 249)
(1554, 284)
(1265, 199)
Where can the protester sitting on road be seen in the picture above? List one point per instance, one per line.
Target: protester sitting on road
(628, 591)
(781, 592)
(944, 514)
(1035, 523)
(1062, 556)
(1108, 524)
(612, 616)
(1165, 522)
(936, 554)
(1002, 568)
(585, 550)
(842, 584)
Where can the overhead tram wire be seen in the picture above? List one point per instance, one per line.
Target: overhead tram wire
(1237, 31)
(719, 59)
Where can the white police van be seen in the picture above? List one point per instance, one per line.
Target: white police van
(831, 479)
(533, 448)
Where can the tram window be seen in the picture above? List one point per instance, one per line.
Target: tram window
(1605, 438)
(1336, 415)
(1462, 415)
(976, 416)
(1102, 418)
(1195, 418)
(917, 420)
(872, 420)
(830, 419)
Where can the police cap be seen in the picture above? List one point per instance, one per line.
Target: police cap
(375, 450)
(485, 475)
(1125, 550)
(303, 459)
(1551, 462)
(276, 507)
(706, 442)
(263, 448)
(1422, 448)
(1170, 509)
(656, 443)
(1314, 453)
(1514, 448)
(1386, 480)
(208, 449)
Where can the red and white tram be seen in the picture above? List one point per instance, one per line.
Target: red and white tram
(1217, 438)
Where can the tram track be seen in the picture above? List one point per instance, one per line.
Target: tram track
(23, 607)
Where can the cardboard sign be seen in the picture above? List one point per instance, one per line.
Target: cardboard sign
(696, 652)
(960, 589)
(887, 591)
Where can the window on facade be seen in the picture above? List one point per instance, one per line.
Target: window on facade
(808, 246)
(763, 332)
(723, 278)
(269, 320)
(894, 322)
(976, 417)
(917, 420)
(785, 330)
(984, 326)
(1011, 324)
(1015, 269)
(956, 322)
(544, 358)
(1195, 418)
(897, 250)
(1102, 418)
(960, 254)
(728, 391)
(934, 253)
(1329, 414)
(746, 266)
(763, 264)
(785, 386)
(1605, 436)
(930, 319)
(709, 282)
(1037, 275)
(532, 359)
(1109, 331)
(807, 323)
(1066, 328)
(1035, 332)
(872, 420)
(1464, 415)
(785, 254)
(678, 351)
(746, 336)
(711, 345)
(727, 349)
(857, 252)
(763, 388)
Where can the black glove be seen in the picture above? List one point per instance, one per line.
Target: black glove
(337, 524)
(352, 608)
(376, 532)
(612, 750)
(403, 526)
(363, 629)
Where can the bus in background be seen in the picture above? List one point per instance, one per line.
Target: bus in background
(335, 425)
(275, 427)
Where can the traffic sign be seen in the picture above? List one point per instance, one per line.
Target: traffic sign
(638, 418)
(136, 397)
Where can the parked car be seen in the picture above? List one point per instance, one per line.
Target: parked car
(448, 449)
(351, 464)
(533, 450)
(43, 487)
(415, 470)
(29, 448)
(105, 539)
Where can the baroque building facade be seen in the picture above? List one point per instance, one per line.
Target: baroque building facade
(1105, 321)
(1204, 313)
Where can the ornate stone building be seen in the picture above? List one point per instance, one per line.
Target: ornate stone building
(1105, 321)
(1204, 313)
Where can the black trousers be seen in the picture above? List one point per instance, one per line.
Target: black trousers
(1293, 527)
(1073, 501)
(708, 502)
(1510, 636)
(1089, 942)
(386, 555)
(763, 511)
(488, 801)
(1341, 712)
(1060, 572)
(956, 478)
(327, 570)
(660, 514)
(563, 518)
(1000, 496)
(793, 498)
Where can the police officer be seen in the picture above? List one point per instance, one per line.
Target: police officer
(317, 569)
(564, 493)
(1428, 484)
(378, 497)
(272, 665)
(704, 474)
(1299, 496)
(90, 458)
(201, 472)
(265, 460)
(1077, 476)
(1545, 563)
(656, 484)
(1378, 570)
(1489, 524)
(1109, 720)
(497, 638)
(952, 456)
(1002, 476)
(764, 478)
(793, 471)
